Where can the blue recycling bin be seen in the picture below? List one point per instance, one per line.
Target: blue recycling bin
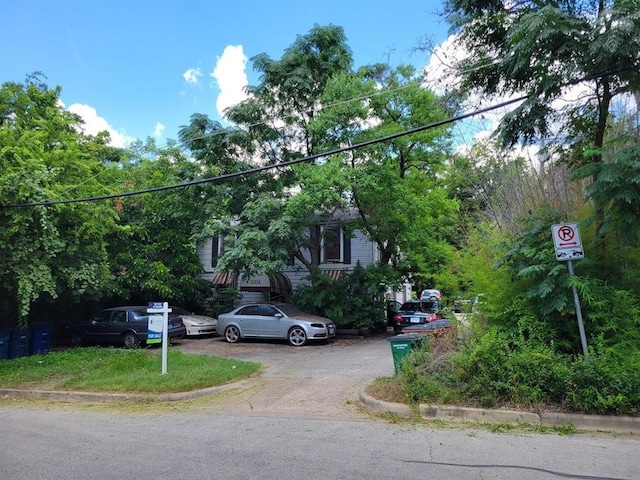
(19, 343)
(40, 339)
(5, 335)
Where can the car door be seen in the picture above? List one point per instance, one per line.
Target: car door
(392, 309)
(113, 328)
(95, 330)
(272, 323)
(248, 319)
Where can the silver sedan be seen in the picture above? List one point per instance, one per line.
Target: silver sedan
(278, 321)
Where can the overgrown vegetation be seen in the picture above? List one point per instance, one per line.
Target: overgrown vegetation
(353, 301)
(473, 223)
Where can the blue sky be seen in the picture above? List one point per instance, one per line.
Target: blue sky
(142, 68)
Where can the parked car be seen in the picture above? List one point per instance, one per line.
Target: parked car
(122, 325)
(431, 294)
(195, 324)
(278, 321)
(412, 312)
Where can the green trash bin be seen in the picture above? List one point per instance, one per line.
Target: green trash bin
(401, 346)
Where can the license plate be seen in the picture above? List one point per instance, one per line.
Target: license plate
(415, 319)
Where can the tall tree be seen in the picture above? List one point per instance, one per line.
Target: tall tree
(265, 228)
(543, 48)
(48, 250)
(393, 184)
(153, 255)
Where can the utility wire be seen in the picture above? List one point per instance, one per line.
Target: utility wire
(318, 155)
(309, 158)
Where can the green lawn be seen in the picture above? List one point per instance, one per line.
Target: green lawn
(95, 369)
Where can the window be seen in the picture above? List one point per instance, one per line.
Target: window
(336, 245)
(102, 317)
(217, 249)
(269, 310)
(250, 310)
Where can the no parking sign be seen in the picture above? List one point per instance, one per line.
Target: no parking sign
(566, 238)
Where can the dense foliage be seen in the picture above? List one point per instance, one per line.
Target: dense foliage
(477, 222)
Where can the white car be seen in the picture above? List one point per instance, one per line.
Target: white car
(196, 324)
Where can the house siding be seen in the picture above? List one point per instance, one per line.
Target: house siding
(362, 251)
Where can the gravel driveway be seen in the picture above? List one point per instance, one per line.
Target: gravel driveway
(319, 380)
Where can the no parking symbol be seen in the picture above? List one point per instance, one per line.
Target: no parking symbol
(566, 238)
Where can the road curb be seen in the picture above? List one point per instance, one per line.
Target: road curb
(98, 397)
(600, 423)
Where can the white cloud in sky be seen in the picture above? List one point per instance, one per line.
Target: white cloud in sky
(94, 124)
(158, 130)
(231, 77)
(192, 76)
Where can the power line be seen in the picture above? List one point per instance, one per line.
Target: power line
(319, 155)
(309, 158)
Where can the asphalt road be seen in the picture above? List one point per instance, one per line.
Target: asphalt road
(298, 420)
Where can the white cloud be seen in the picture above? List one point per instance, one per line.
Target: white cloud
(159, 130)
(231, 77)
(94, 124)
(192, 76)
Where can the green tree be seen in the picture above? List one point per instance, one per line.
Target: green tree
(543, 49)
(394, 185)
(153, 256)
(50, 250)
(268, 221)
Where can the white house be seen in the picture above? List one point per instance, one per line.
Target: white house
(339, 253)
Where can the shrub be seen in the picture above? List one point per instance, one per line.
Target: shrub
(352, 301)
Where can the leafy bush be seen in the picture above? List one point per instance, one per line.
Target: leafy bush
(352, 301)
(499, 368)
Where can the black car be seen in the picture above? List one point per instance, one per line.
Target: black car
(412, 312)
(122, 325)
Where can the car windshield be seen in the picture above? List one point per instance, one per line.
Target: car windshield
(425, 306)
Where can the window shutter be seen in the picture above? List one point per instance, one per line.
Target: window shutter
(346, 241)
(214, 251)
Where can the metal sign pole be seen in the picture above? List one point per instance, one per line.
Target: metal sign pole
(576, 301)
(163, 308)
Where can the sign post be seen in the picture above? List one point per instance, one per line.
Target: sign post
(162, 308)
(568, 246)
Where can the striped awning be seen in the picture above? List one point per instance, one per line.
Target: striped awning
(223, 278)
(277, 283)
(280, 283)
(333, 274)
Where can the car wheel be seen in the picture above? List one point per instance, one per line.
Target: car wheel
(397, 330)
(130, 340)
(297, 336)
(76, 340)
(232, 334)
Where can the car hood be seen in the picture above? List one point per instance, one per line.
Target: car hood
(199, 318)
(311, 318)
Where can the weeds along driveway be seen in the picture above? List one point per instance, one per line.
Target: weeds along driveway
(318, 380)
